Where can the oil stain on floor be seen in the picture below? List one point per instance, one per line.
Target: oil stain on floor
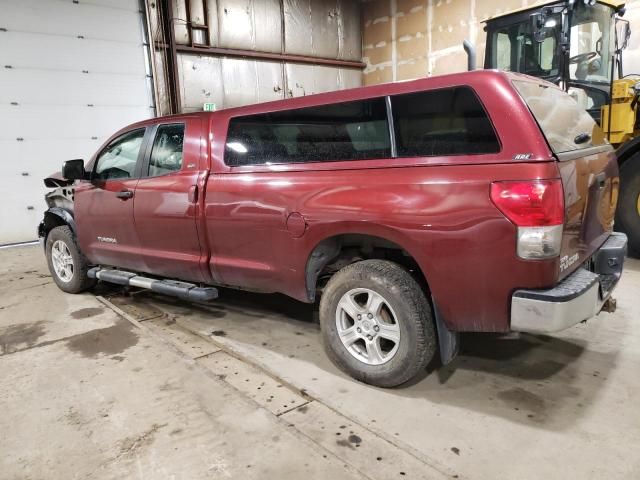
(86, 313)
(21, 334)
(104, 341)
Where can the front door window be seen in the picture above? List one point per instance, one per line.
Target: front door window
(118, 160)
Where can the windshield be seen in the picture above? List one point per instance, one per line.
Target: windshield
(514, 49)
(590, 59)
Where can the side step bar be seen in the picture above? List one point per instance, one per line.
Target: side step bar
(186, 291)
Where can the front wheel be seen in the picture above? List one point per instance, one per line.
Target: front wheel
(377, 324)
(67, 264)
(628, 211)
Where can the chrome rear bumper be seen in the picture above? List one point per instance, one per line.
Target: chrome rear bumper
(577, 298)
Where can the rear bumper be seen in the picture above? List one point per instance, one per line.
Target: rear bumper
(577, 298)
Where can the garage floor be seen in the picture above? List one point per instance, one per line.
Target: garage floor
(108, 385)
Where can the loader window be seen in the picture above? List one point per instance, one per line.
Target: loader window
(512, 48)
(591, 37)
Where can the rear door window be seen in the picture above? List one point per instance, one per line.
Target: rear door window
(449, 121)
(343, 131)
(166, 153)
(565, 125)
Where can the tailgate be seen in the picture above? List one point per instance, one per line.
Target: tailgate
(587, 166)
(590, 183)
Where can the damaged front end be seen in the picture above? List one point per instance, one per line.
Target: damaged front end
(60, 203)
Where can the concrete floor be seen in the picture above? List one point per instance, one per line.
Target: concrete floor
(105, 385)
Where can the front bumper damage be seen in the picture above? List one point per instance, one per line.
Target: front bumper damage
(577, 298)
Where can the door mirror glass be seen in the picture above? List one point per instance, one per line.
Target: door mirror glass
(73, 170)
(623, 32)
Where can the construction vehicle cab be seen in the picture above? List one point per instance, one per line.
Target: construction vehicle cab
(578, 44)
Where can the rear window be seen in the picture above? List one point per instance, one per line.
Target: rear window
(343, 131)
(449, 121)
(566, 126)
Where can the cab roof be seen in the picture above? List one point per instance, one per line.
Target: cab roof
(615, 4)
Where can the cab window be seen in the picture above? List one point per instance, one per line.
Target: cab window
(166, 153)
(514, 49)
(590, 43)
(118, 160)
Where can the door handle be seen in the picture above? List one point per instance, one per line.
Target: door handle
(124, 194)
(193, 194)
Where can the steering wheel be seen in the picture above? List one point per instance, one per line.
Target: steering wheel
(583, 57)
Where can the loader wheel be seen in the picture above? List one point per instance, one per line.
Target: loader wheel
(67, 264)
(628, 211)
(376, 323)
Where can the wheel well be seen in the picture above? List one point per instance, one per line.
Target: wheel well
(335, 253)
(51, 220)
(628, 150)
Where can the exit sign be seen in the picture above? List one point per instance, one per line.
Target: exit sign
(209, 107)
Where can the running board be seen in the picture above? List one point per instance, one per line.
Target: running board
(186, 291)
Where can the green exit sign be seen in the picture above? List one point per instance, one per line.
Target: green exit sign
(209, 107)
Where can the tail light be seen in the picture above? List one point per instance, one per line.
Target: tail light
(536, 207)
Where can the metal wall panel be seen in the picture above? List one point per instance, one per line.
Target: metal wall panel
(309, 79)
(323, 28)
(349, 26)
(77, 74)
(200, 81)
(196, 10)
(320, 28)
(251, 81)
(212, 22)
(350, 78)
(180, 22)
(163, 101)
(250, 25)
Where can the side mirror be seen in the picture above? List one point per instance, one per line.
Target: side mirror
(623, 32)
(73, 170)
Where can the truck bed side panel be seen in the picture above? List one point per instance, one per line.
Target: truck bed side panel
(442, 216)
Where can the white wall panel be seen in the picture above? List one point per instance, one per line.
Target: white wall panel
(70, 122)
(72, 88)
(90, 21)
(49, 52)
(63, 95)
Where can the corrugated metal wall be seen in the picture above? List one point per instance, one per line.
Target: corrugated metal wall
(327, 29)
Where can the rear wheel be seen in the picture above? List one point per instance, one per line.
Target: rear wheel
(628, 211)
(376, 323)
(67, 264)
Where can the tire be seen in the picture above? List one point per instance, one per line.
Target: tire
(627, 214)
(404, 314)
(61, 240)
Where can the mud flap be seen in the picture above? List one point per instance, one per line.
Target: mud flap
(448, 341)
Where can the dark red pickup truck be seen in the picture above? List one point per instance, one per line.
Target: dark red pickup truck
(481, 201)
